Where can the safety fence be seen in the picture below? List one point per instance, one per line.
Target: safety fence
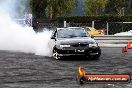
(110, 27)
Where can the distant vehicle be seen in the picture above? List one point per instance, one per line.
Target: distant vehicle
(73, 42)
(93, 32)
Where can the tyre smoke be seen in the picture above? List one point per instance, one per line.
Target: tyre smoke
(15, 37)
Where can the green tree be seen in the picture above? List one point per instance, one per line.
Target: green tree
(57, 8)
(95, 7)
(116, 7)
(38, 8)
(130, 7)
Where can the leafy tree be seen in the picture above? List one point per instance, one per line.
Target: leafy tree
(95, 7)
(51, 8)
(116, 7)
(57, 8)
(38, 8)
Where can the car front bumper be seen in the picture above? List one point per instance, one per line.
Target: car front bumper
(78, 52)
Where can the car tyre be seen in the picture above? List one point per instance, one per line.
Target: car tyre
(55, 55)
(96, 57)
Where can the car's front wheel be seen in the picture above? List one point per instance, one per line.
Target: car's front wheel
(55, 54)
(96, 56)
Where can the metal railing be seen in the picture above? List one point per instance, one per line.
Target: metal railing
(112, 40)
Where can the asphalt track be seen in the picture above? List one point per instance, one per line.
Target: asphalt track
(22, 70)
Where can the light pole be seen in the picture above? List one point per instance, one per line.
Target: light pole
(123, 11)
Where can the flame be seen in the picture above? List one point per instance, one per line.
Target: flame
(81, 71)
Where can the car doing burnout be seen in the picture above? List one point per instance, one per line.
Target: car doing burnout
(73, 42)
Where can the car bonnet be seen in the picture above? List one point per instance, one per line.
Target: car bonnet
(75, 40)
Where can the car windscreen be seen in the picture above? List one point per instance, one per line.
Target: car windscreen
(70, 33)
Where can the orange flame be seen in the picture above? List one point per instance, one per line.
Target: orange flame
(81, 71)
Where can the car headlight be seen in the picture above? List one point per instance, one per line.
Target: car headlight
(93, 44)
(64, 46)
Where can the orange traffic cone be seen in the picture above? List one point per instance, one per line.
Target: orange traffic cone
(125, 49)
(129, 44)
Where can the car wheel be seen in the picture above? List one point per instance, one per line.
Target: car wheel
(55, 54)
(95, 57)
(98, 55)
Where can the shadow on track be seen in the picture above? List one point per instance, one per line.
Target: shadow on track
(77, 58)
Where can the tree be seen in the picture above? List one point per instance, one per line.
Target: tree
(130, 7)
(38, 8)
(95, 7)
(115, 7)
(57, 8)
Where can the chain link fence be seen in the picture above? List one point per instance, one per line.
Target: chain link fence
(117, 27)
(110, 27)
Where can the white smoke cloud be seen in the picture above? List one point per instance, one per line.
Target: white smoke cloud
(14, 37)
(15, 8)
